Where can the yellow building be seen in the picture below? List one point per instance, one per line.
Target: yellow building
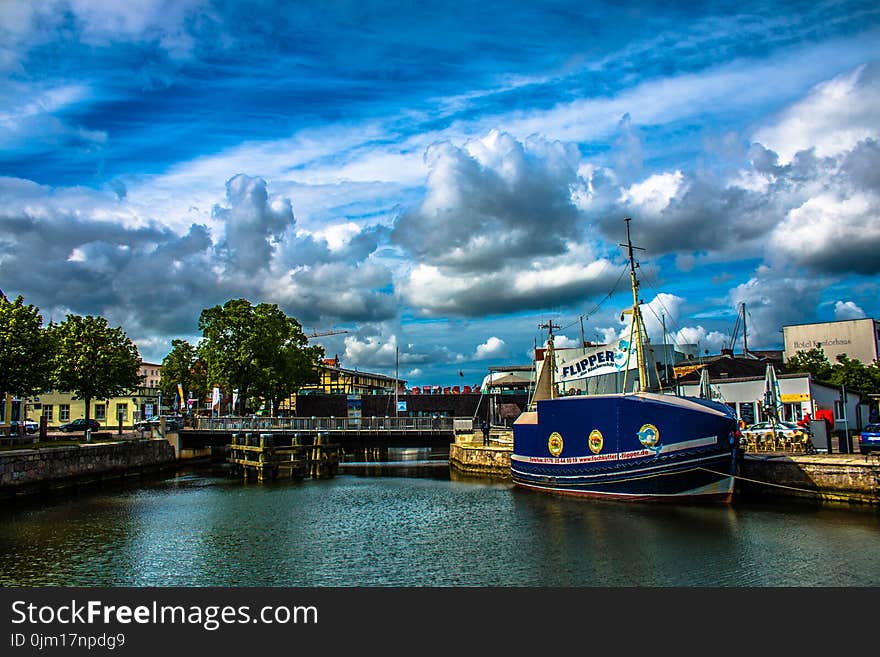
(336, 380)
(61, 407)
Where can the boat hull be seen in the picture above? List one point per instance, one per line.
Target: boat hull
(639, 447)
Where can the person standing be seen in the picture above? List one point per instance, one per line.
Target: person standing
(485, 433)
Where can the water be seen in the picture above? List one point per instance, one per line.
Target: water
(410, 523)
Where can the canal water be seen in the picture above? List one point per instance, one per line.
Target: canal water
(409, 522)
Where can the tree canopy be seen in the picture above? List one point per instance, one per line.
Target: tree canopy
(847, 371)
(257, 350)
(25, 349)
(93, 360)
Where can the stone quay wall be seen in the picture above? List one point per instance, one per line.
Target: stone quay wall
(826, 477)
(31, 470)
(494, 461)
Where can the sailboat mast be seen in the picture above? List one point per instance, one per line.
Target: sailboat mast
(638, 325)
(745, 332)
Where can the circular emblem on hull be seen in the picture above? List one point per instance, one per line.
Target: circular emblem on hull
(649, 435)
(595, 441)
(555, 444)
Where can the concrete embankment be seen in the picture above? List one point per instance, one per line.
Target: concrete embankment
(468, 454)
(29, 471)
(850, 478)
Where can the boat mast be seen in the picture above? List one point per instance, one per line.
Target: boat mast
(637, 323)
(745, 332)
(550, 358)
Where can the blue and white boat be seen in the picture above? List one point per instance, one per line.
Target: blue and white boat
(630, 445)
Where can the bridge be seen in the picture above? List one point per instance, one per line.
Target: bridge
(390, 430)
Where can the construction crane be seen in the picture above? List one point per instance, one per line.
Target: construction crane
(318, 334)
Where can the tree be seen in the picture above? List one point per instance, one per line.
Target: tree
(814, 362)
(289, 368)
(182, 366)
(93, 360)
(855, 375)
(257, 350)
(25, 349)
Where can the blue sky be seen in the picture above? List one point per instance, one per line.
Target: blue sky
(438, 179)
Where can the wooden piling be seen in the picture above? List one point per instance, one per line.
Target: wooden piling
(263, 457)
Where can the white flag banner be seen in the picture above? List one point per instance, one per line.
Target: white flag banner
(215, 397)
(595, 362)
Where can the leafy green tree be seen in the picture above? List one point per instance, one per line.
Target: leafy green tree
(855, 375)
(814, 362)
(182, 366)
(257, 350)
(287, 367)
(25, 349)
(93, 360)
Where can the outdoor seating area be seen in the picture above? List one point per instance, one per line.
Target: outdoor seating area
(779, 442)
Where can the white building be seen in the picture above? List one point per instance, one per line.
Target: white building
(857, 338)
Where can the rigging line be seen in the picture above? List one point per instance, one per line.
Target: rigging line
(600, 302)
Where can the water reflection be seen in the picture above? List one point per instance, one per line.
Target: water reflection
(403, 519)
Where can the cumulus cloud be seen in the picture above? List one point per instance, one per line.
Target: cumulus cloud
(106, 258)
(492, 201)
(492, 348)
(437, 290)
(385, 351)
(847, 310)
(773, 300)
(711, 341)
(253, 222)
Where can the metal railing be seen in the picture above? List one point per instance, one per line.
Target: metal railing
(388, 424)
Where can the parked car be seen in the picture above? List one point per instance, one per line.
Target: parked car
(869, 439)
(79, 424)
(29, 426)
(172, 423)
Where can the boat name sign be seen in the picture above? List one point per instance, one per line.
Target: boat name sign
(597, 362)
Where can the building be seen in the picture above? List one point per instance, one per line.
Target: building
(740, 382)
(150, 374)
(857, 338)
(336, 380)
(59, 407)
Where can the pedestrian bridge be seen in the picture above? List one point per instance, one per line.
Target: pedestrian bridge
(396, 430)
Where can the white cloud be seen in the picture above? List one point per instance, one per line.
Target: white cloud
(655, 192)
(832, 118)
(492, 348)
(847, 310)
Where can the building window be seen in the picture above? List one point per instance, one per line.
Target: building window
(47, 412)
(122, 412)
(838, 410)
(101, 412)
(64, 412)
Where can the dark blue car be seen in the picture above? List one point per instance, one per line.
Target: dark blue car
(870, 438)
